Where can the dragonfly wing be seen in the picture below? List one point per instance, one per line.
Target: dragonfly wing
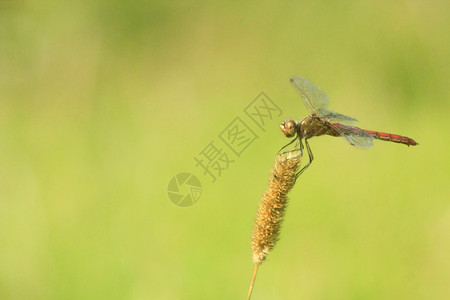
(314, 98)
(355, 136)
(332, 116)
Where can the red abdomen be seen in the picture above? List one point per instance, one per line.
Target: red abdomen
(392, 138)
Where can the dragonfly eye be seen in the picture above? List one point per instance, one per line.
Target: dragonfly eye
(288, 127)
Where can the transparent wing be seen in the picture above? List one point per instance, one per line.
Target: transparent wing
(332, 116)
(355, 136)
(314, 98)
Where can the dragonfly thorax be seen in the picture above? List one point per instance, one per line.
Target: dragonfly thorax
(312, 125)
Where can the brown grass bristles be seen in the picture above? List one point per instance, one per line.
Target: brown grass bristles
(272, 207)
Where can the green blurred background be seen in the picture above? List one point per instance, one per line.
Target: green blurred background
(102, 103)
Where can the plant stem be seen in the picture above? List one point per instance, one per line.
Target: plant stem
(252, 282)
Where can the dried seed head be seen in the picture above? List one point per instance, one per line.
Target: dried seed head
(273, 205)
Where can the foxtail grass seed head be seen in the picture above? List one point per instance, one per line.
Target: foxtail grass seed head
(272, 207)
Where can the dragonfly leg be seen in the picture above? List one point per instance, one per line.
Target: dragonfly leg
(301, 147)
(288, 145)
(311, 158)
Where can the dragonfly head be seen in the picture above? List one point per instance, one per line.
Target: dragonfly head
(289, 128)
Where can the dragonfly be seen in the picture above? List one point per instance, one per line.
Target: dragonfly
(323, 121)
